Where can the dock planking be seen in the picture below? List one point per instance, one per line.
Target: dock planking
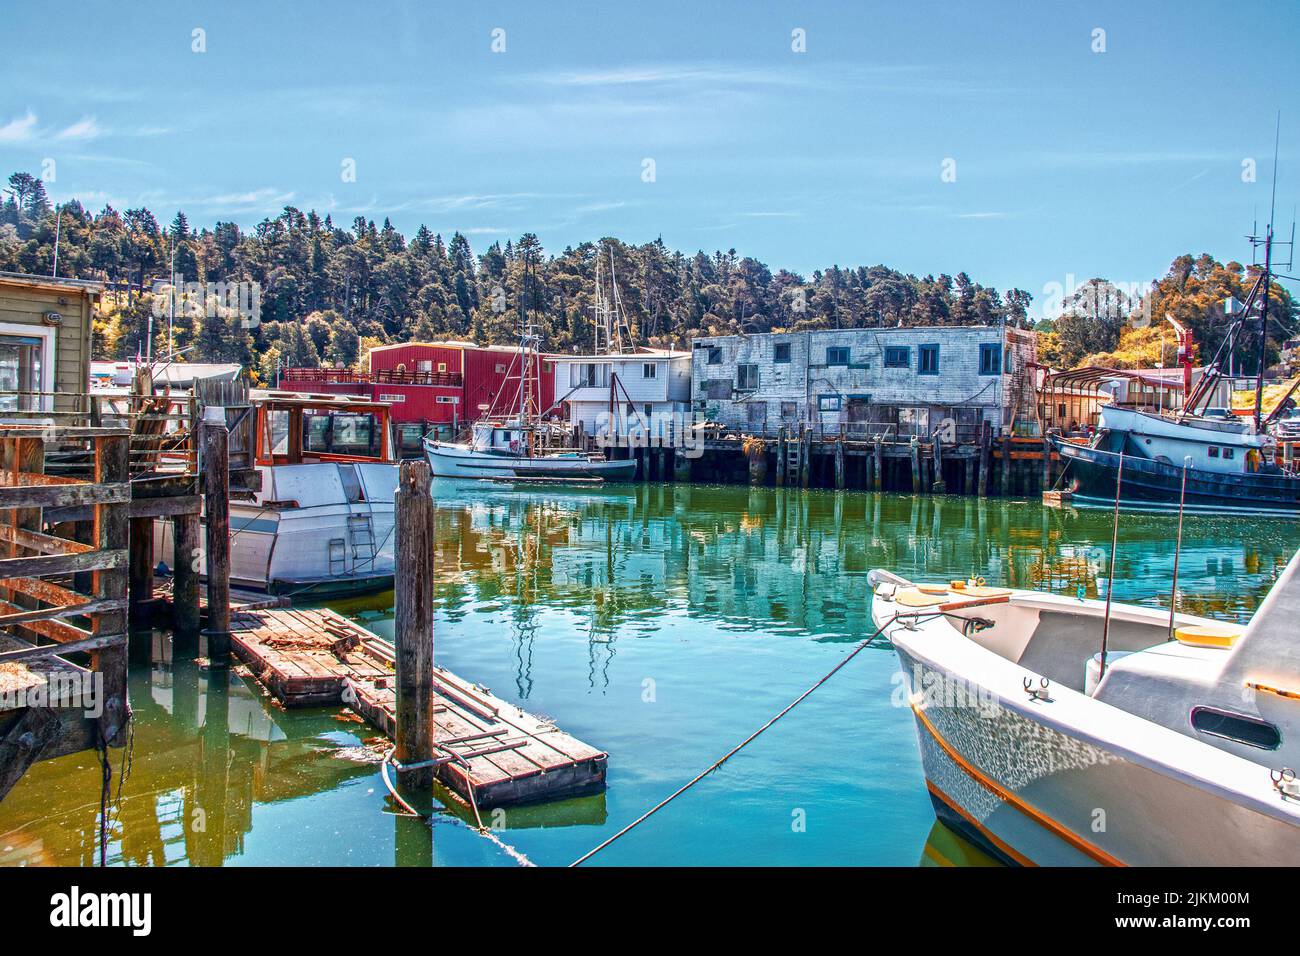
(487, 750)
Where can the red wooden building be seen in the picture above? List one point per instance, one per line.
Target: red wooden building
(440, 385)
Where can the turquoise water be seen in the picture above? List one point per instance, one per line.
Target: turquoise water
(662, 624)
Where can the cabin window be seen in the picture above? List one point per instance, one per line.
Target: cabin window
(715, 355)
(746, 377)
(781, 353)
(990, 359)
(927, 360)
(1213, 451)
(590, 375)
(1244, 730)
(837, 355)
(898, 356)
(1229, 452)
(649, 370)
(23, 369)
(828, 403)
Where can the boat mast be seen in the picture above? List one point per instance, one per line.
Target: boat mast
(1263, 318)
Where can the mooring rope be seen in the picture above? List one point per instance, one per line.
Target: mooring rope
(480, 829)
(736, 749)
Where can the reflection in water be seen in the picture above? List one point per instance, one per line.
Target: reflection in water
(943, 847)
(726, 600)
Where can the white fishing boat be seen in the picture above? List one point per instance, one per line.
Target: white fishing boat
(1171, 752)
(510, 451)
(322, 524)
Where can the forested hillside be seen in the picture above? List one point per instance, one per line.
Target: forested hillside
(329, 292)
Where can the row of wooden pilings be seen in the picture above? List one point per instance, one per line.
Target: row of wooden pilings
(987, 464)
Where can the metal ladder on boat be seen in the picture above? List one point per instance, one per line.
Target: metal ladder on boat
(361, 535)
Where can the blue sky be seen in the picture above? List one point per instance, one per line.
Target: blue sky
(1068, 161)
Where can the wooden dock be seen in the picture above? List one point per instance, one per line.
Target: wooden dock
(487, 750)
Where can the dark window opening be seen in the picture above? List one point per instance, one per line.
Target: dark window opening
(990, 359)
(837, 355)
(781, 353)
(898, 356)
(927, 360)
(1246, 730)
(715, 356)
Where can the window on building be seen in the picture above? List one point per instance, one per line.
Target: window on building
(746, 377)
(447, 400)
(898, 356)
(589, 375)
(717, 389)
(990, 359)
(781, 353)
(1229, 453)
(789, 411)
(1214, 451)
(501, 369)
(442, 367)
(424, 365)
(715, 355)
(547, 367)
(828, 403)
(927, 360)
(837, 355)
(1006, 360)
(649, 370)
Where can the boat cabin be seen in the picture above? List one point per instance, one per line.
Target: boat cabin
(298, 429)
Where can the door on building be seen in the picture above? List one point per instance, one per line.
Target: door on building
(756, 413)
(857, 413)
(22, 370)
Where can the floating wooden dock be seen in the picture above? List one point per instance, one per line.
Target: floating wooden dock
(487, 750)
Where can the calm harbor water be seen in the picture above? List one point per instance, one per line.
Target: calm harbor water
(662, 624)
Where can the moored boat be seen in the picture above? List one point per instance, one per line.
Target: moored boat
(506, 451)
(1171, 752)
(322, 524)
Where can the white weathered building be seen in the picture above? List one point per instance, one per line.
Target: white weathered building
(895, 381)
(638, 386)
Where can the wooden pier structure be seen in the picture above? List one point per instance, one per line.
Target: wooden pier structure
(488, 751)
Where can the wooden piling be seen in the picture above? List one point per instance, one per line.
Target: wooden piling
(756, 455)
(413, 624)
(185, 580)
(681, 466)
(916, 466)
(112, 465)
(878, 467)
(1005, 489)
(780, 457)
(940, 486)
(216, 502)
(839, 461)
(140, 562)
(985, 459)
(967, 474)
(805, 457)
(1047, 462)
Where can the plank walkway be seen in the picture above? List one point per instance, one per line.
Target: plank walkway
(489, 751)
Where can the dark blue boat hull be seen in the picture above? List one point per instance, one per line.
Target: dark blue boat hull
(1155, 485)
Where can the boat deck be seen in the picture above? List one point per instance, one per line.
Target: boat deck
(489, 752)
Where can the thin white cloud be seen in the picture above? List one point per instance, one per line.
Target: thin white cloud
(19, 130)
(85, 128)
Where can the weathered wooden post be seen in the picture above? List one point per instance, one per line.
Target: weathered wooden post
(940, 486)
(839, 461)
(413, 626)
(1005, 489)
(140, 562)
(878, 468)
(805, 456)
(681, 466)
(185, 580)
(112, 466)
(967, 476)
(780, 457)
(216, 503)
(755, 450)
(985, 459)
(1047, 461)
(916, 465)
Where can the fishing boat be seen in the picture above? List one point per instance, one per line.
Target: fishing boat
(520, 445)
(322, 524)
(1200, 458)
(1061, 731)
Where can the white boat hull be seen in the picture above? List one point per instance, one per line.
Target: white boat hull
(449, 460)
(1075, 780)
(327, 545)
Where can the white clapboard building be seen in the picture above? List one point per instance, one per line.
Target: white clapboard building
(639, 386)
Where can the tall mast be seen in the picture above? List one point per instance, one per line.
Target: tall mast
(1263, 325)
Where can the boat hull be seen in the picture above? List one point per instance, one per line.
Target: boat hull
(1153, 485)
(459, 461)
